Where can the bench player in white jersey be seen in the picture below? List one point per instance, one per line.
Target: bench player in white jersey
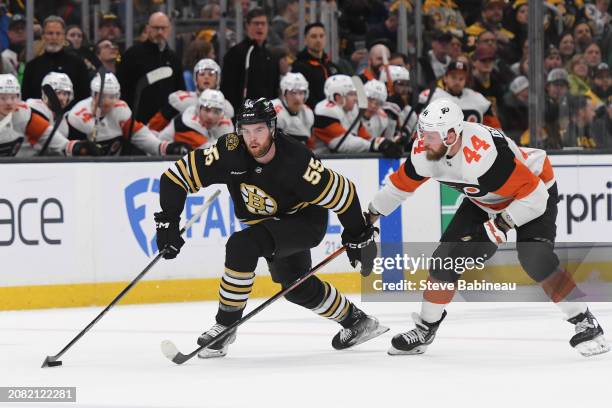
(200, 126)
(113, 129)
(452, 86)
(506, 188)
(397, 107)
(18, 123)
(206, 75)
(294, 117)
(374, 119)
(333, 117)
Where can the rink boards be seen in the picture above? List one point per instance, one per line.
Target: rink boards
(73, 234)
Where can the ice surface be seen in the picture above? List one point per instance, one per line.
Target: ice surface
(485, 355)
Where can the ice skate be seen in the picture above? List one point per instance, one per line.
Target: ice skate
(217, 349)
(416, 340)
(589, 339)
(365, 328)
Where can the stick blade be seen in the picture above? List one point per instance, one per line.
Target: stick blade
(362, 99)
(158, 74)
(51, 362)
(172, 353)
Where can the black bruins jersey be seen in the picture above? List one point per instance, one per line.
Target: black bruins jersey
(294, 179)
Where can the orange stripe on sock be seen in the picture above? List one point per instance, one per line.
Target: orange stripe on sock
(438, 296)
(558, 285)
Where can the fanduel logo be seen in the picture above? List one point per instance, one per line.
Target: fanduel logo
(136, 214)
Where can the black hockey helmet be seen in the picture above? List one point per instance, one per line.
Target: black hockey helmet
(257, 111)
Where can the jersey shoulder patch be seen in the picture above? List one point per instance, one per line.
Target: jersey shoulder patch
(181, 100)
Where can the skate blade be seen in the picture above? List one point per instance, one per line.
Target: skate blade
(397, 352)
(373, 334)
(593, 347)
(210, 353)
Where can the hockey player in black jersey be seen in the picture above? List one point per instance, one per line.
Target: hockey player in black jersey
(283, 192)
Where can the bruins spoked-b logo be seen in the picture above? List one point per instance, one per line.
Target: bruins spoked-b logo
(257, 201)
(231, 141)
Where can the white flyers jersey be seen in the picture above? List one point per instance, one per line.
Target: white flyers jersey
(378, 125)
(181, 100)
(473, 104)
(299, 125)
(489, 168)
(112, 130)
(24, 125)
(330, 124)
(187, 128)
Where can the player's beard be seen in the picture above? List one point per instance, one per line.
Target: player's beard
(436, 155)
(262, 150)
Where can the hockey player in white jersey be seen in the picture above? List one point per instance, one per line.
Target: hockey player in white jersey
(374, 119)
(19, 123)
(200, 126)
(206, 75)
(294, 117)
(452, 86)
(115, 117)
(506, 188)
(334, 117)
(62, 85)
(397, 107)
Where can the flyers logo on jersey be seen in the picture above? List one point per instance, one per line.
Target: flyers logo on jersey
(257, 201)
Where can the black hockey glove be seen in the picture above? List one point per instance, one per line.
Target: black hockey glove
(86, 148)
(178, 149)
(361, 248)
(387, 148)
(168, 235)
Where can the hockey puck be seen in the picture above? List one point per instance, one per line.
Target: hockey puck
(54, 363)
(51, 363)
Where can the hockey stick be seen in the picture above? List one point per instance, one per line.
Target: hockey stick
(172, 352)
(146, 80)
(247, 65)
(56, 108)
(362, 103)
(53, 361)
(97, 103)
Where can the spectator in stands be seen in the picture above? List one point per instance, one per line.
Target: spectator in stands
(567, 48)
(486, 79)
(143, 33)
(519, 25)
(399, 59)
(79, 44)
(384, 33)
(196, 50)
(599, 17)
(56, 59)
(602, 83)
(263, 76)
(211, 11)
(579, 78)
(144, 57)
(556, 110)
(110, 28)
(582, 37)
(491, 19)
(291, 42)
(581, 118)
(445, 16)
(11, 63)
(476, 108)
(592, 55)
(107, 53)
(455, 47)
(378, 54)
(287, 15)
(552, 59)
(314, 63)
(435, 62)
(514, 111)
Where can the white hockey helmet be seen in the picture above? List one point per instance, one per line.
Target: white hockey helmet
(441, 116)
(111, 84)
(207, 64)
(294, 81)
(211, 98)
(59, 82)
(338, 84)
(9, 85)
(396, 73)
(376, 90)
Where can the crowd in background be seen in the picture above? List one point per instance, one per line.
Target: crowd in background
(475, 51)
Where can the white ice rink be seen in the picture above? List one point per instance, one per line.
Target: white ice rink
(485, 355)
